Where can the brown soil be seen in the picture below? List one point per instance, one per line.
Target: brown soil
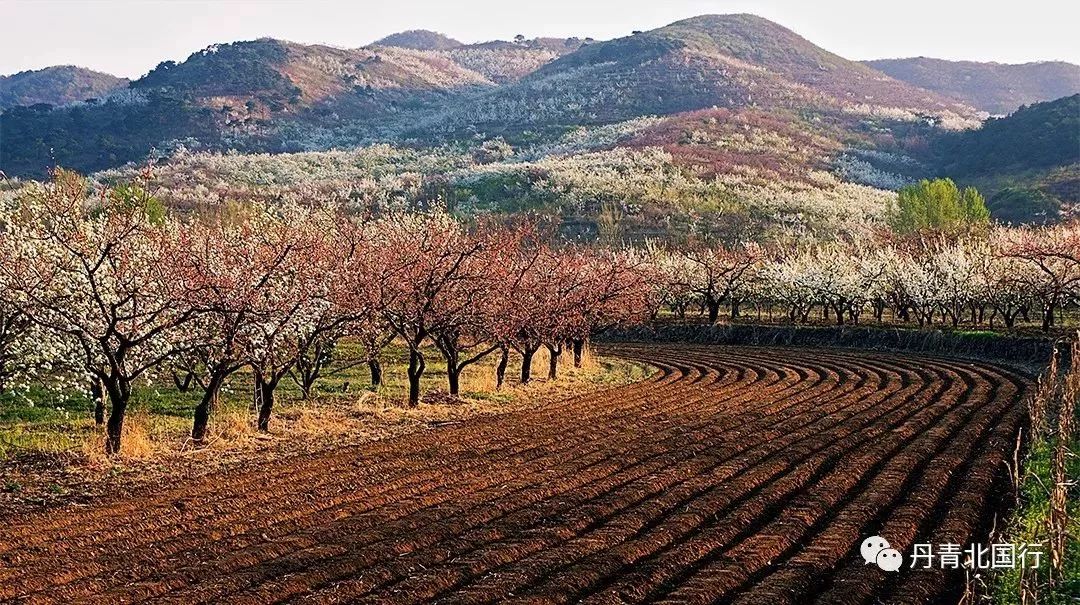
(733, 475)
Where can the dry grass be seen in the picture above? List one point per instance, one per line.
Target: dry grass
(365, 415)
(62, 455)
(1048, 513)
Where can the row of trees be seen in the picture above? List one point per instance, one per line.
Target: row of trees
(112, 288)
(989, 277)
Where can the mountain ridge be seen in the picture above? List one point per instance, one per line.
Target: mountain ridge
(736, 98)
(713, 60)
(997, 88)
(418, 39)
(56, 85)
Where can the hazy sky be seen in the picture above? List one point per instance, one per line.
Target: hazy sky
(129, 37)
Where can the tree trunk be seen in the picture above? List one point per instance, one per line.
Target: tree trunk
(265, 391)
(714, 310)
(553, 360)
(1048, 316)
(202, 418)
(307, 384)
(416, 370)
(453, 376)
(376, 372)
(734, 309)
(526, 364)
(202, 411)
(119, 393)
(578, 344)
(97, 392)
(500, 370)
(115, 427)
(1009, 318)
(183, 385)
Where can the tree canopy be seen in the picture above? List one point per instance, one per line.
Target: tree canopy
(938, 204)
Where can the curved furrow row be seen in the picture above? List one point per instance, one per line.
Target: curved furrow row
(841, 503)
(521, 492)
(807, 570)
(732, 475)
(770, 480)
(550, 513)
(251, 521)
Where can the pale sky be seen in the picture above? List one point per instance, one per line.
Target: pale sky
(129, 37)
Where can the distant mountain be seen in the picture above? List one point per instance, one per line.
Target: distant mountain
(727, 61)
(729, 91)
(1040, 136)
(996, 88)
(231, 95)
(418, 39)
(278, 74)
(57, 85)
(1027, 164)
(502, 61)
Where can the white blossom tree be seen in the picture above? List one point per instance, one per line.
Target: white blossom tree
(94, 271)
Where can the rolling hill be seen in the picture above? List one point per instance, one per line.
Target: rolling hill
(230, 95)
(729, 118)
(57, 85)
(502, 61)
(727, 61)
(996, 88)
(1028, 163)
(282, 77)
(418, 39)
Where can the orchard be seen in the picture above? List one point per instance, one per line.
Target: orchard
(108, 289)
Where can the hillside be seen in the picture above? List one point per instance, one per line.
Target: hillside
(57, 85)
(996, 88)
(232, 95)
(418, 39)
(732, 95)
(500, 61)
(277, 74)
(729, 61)
(503, 62)
(1027, 163)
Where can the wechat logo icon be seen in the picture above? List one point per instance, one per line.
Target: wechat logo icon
(876, 549)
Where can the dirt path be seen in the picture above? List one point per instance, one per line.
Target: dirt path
(734, 475)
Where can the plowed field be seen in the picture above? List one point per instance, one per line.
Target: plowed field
(733, 475)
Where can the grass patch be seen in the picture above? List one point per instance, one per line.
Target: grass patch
(1048, 511)
(1030, 525)
(159, 415)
